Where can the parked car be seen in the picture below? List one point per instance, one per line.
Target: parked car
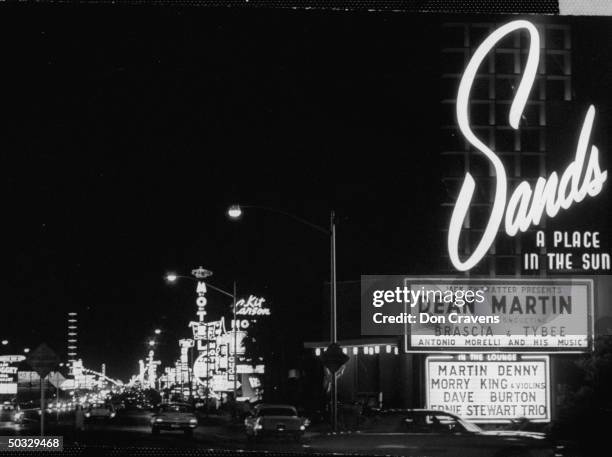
(431, 432)
(100, 412)
(174, 416)
(10, 412)
(274, 420)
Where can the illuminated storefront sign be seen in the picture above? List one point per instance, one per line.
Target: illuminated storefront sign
(252, 307)
(493, 387)
(9, 373)
(246, 368)
(202, 366)
(541, 315)
(526, 205)
(201, 300)
(221, 383)
(248, 310)
(221, 351)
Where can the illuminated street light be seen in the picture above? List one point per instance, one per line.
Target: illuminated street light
(151, 342)
(4, 342)
(171, 277)
(26, 350)
(157, 331)
(234, 211)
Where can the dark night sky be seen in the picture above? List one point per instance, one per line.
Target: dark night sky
(128, 131)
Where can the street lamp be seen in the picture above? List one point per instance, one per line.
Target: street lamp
(171, 277)
(26, 350)
(235, 211)
(5, 342)
(157, 331)
(151, 343)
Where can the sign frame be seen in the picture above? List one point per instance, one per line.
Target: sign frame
(524, 356)
(569, 281)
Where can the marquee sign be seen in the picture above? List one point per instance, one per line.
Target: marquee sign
(491, 387)
(539, 315)
(8, 375)
(526, 206)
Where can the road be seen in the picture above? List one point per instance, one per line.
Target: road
(214, 435)
(133, 430)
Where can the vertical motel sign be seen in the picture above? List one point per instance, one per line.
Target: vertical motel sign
(201, 333)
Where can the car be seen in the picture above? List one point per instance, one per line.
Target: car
(100, 411)
(274, 420)
(431, 432)
(174, 416)
(10, 412)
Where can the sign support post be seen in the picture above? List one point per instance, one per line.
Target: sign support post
(235, 350)
(42, 359)
(42, 407)
(333, 358)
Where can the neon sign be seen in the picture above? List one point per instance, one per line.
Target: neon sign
(252, 307)
(201, 300)
(526, 205)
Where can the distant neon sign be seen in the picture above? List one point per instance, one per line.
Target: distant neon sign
(526, 205)
(201, 300)
(253, 306)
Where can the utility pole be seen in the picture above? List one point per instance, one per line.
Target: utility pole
(235, 349)
(42, 407)
(333, 330)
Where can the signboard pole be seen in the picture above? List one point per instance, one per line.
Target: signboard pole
(207, 372)
(189, 371)
(42, 407)
(42, 359)
(333, 329)
(235, 349)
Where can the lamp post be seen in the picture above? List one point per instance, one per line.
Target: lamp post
(235, 212)
(173, 277)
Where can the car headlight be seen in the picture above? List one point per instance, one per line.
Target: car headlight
(159, 419)
(193, 421)
(302, 427)
(112, 415)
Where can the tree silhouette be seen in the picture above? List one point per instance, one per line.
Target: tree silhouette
(587, 412)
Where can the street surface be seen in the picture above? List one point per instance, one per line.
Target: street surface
(133, 429)
(214, 435)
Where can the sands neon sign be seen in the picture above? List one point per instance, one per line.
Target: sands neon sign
(526, 205)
